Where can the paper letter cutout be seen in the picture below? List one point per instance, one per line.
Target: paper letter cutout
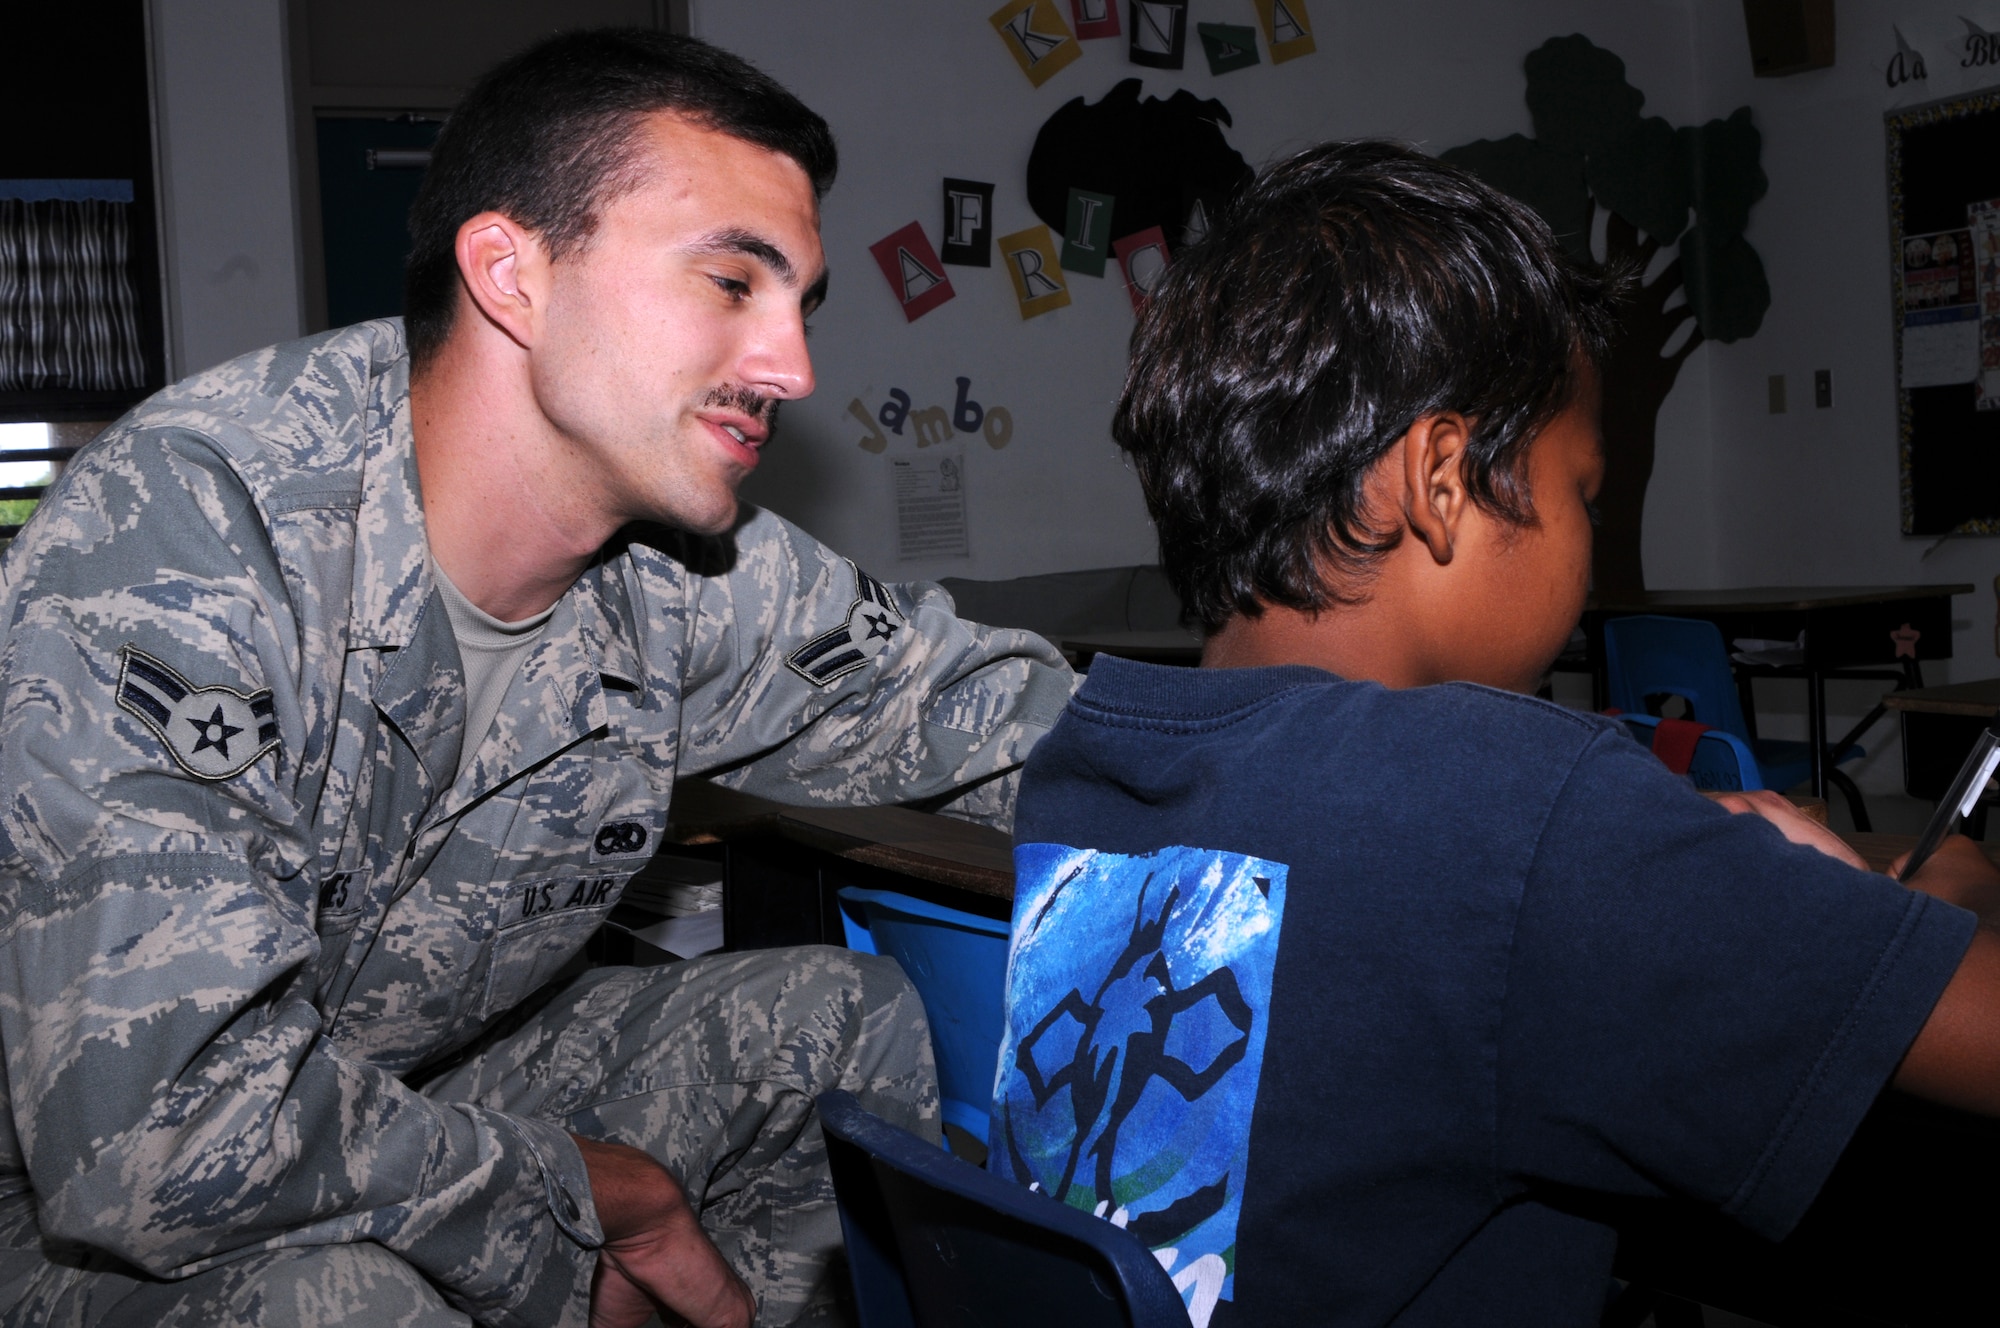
(1143, 258)
(1087, 237)
(968, 223)
(1159, 33)
(1036, 37)
(1094, 18)
(872, 441)
(914, 273)
(895, 410)
(1287, 27)
(1030, 256)
(999, 430)
(966, 414)
(1227, 46)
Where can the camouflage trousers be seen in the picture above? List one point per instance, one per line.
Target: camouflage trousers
(709, 1065)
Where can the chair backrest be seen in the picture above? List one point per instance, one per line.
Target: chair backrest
(1648, 655)
(958, 963)
(932, 1239)
(1723, 762)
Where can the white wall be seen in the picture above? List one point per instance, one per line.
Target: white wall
(230, 230)
(916, 92)
(1811, 496)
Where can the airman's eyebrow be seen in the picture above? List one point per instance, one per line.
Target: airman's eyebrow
(753, 246)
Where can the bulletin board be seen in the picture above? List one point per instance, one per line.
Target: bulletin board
(1944, 232)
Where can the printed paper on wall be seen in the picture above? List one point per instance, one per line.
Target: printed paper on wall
(1094, 18)
(1142, 256)
(1030, 256)
(1036, 36)
(1228, 46)
(968, 223)
(1159, 30)
(930, 507)
(1287, 28)
(912, 269)
(1087, 237)
(1940, 310)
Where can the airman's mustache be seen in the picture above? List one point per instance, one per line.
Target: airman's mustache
(754, 404)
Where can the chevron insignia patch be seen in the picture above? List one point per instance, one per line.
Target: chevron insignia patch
(212, 732)
(872, 623)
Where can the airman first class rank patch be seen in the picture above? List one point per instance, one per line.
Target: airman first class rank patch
(872, 622)
(212, 732)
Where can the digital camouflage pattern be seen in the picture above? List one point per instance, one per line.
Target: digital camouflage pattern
(211, 988)
(728, 1109)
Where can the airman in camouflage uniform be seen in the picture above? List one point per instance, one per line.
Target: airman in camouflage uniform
(283, 913)
(247, 894)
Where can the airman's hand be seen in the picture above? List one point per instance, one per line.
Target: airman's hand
(655, 1252)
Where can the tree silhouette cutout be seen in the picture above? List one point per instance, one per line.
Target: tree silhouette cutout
(1157, 158)
(1659, 185)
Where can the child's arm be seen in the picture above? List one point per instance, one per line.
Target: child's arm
(1955, 1059)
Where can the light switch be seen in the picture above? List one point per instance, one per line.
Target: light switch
(1822, 388)
(1777, 394)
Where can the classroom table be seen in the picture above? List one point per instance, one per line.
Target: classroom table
(784, 865)
(1940, 724)
(1843, 629)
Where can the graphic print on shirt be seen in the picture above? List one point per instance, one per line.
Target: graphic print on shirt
(1138, 993)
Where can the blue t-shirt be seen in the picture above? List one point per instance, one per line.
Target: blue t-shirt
(1331, 993)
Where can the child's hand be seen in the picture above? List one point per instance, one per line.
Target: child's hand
(1794, 824)
(1959, 873)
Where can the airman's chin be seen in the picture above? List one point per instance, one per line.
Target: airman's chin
(717, 521)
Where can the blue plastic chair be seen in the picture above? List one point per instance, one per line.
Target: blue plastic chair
(1723, 762)
(932, 1239)
(958, 963)
(1650, 656)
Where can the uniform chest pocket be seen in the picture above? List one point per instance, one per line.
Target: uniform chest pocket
(542, 923)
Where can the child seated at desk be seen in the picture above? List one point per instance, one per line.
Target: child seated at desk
(1341, 966)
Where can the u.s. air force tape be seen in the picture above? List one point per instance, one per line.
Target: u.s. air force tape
(872, 623)
(212, 732)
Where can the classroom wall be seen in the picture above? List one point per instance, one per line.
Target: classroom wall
(917, 92)
(229, 211)
(1810, 496)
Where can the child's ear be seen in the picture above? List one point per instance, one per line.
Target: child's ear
(1434, 496)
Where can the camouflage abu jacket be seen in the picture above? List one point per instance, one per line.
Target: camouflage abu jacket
(243, 888)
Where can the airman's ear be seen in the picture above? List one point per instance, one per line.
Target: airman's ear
(502, 263)
(1434, 492)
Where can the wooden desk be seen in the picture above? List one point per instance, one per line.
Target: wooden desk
(1168, 647)
(1878, 851)
(1843, 628)
(784, 865)
(1940, 724)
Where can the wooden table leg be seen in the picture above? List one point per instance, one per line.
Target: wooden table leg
(1816, 728)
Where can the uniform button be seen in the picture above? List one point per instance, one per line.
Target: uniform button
(570, 1210)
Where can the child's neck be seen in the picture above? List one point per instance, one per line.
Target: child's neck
(1356, 641)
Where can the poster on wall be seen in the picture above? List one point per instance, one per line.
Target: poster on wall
(1036, 36)
(1094, 18)
(1940, 310)
(1031, 261)
(1228, 46)
(1159, 34)
(930, 507)
(1287, 28)
(913, 271)
(968, 223)
(1142, 257)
